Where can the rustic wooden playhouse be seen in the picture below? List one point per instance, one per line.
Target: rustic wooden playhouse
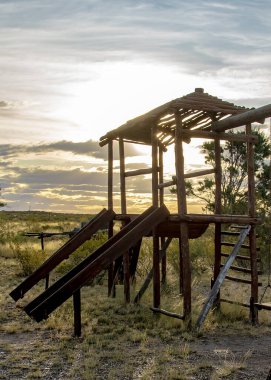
(196, 115)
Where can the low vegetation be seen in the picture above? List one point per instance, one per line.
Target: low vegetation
(119, 341)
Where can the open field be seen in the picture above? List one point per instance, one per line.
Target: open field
(118, 341)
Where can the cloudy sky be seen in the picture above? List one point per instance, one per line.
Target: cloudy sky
(72, 70)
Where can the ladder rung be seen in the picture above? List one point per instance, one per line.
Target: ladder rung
(263, 306)
(230, 233)
(241, 257)
(228, 244)
(237, 279)
(235, 302)
(241, 269)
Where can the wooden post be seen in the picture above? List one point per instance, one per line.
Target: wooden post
(126, 260)
(218, 210)
(252, 213)
(110, 207)
(161, 199)
(77, 312)
(185, 269)
(47, 277)
(156, 264)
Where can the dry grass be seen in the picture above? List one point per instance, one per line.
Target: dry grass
(118, 341)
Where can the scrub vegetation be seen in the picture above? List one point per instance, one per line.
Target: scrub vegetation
(120, 341)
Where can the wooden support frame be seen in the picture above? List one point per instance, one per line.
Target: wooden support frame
(194, 174)
(161, 200)
(155, 202)
(256, 115)
(252, 234)
(110, 207)
(137, 172)
(126, 259)
(185, 265)
(218, 210)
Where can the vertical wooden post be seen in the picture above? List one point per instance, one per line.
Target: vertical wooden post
(218, 210)
(161, 199)
(126, 260)
(156, 263)
(252, 213)
(110, 207)
(77, 312)
(47, 277)
(185, 270)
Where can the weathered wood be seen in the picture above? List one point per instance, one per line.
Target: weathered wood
(219, 135)
(252, 213)
(235, 302)
(64, 252)
(220, 278)
(239, 257)
(149, 277)
(110, 207)
(167, 313)
(77, 312)
(154, 167)
(244, 246)
(242, 269)
(87, 261)
(137, 172)
(161, 199)
(256, 115)
(90, 271)
(229, 219)
(166, 184)
(156, 272)
(126, 265)
(185, 265)
(242, 280)
(263, 306)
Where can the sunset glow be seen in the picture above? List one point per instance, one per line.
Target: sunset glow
(70, 73)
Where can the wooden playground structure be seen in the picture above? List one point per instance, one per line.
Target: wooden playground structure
(196, 115)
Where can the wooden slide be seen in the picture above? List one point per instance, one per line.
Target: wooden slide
(99, 221)
(96, 262)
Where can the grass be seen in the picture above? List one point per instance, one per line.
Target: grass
(118, 341)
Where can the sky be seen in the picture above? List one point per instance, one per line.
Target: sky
(72, 70)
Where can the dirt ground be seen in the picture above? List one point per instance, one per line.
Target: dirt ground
(217, 355)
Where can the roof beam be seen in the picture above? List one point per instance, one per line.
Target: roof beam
(257, 115)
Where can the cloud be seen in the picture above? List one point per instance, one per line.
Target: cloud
(87, 148)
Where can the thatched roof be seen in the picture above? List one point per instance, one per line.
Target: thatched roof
(198, 111)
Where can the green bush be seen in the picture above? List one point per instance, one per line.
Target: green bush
(28, 259)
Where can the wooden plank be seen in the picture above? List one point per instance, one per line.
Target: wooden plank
(154, 167)
(242, 280)
(64, 252)
(137, 172)
(220, 278)
(242, 269)
(244, 246)
(252, 234)
(87, 261)
(219, 135)
(218, 210)
(185, 264)
(110, 207)
(263, 306)
(229, 219)
(239, 257)
(235, 302)
(256, 115)
(90, 271)
(167, 313)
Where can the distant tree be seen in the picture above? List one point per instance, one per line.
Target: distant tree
(234, 176)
